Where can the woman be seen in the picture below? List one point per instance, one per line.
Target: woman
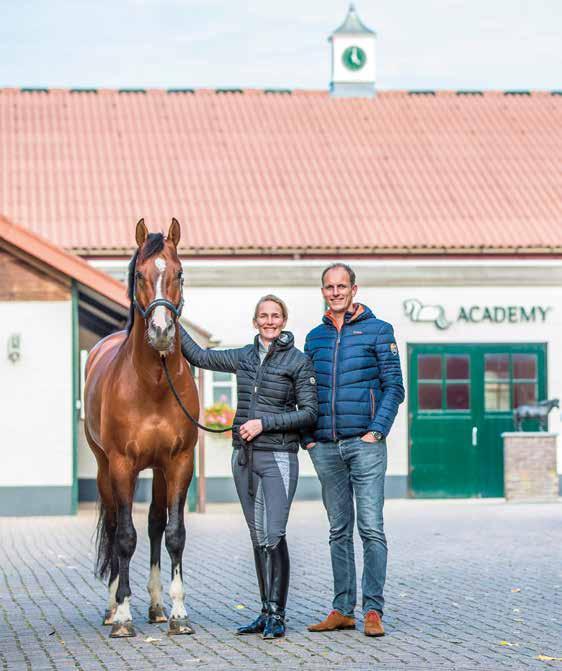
(276, 400)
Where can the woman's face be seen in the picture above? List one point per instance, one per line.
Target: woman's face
(269, 320)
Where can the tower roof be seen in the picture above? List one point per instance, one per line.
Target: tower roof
(353, 25)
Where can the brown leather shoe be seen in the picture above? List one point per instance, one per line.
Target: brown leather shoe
(335, 620)
(373, 624)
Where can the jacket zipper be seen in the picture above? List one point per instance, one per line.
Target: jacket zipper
(373, 404)
(257, 382)
(334, 368)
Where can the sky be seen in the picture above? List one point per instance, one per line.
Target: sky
(421, 44)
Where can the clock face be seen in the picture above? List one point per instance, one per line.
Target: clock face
(354, 58)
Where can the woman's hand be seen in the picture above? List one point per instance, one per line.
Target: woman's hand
(250, 429)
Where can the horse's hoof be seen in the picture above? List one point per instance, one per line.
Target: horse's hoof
(179, 626)
(108, 617)
(157, 615)
(122, 630)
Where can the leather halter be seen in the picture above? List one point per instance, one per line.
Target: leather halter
(174, 309)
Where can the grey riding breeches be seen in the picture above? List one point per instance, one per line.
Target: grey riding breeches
(275, 476)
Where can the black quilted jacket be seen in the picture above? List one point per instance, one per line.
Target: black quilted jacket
(281, 391)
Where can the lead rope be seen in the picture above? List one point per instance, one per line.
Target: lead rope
(182, 406)
(246, 452)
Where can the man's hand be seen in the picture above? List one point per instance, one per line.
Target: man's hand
(369, 438)
(250, 429)
(309, 446)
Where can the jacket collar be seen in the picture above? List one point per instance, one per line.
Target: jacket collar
(358, 312)
(284, 341)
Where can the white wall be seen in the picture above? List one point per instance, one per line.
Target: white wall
(36, 394)
(221, 295)
(230, 324)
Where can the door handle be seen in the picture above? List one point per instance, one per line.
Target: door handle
(474, 436)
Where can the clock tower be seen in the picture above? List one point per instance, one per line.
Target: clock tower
(353, 58)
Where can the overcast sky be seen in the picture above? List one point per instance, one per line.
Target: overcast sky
(503, 44)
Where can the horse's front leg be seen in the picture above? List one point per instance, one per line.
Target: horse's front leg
(157, 517)
(122, 480)
(178, 478)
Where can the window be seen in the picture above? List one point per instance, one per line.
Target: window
(510, 380)
(223, 388)
(444, 382)
(430, 387)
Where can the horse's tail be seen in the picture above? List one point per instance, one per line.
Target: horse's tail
(105, 540)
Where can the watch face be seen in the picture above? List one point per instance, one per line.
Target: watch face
(354, 58)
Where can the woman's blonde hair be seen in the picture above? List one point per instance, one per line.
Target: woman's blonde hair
(274, 299)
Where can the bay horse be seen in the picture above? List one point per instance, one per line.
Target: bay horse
(133, 422)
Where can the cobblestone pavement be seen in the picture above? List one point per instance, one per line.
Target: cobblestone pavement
(471, 585)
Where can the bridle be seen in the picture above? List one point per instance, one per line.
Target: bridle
(176, 311)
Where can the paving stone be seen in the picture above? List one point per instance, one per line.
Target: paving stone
(471, 586)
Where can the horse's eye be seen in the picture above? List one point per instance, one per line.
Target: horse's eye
(179, 276)
(139, 276)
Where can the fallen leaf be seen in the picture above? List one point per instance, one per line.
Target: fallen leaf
(515, 589)
(508, 644)
(152, 640)
(546, 658)
(239, 606)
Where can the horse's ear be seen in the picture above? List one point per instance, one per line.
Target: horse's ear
(174, 234)
(141, 232)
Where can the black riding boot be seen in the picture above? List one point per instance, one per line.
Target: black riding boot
(257, 626)
(278, 576)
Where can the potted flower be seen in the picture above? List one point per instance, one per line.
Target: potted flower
(220, 416)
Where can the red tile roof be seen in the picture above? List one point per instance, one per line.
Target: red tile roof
(18, 238)
(255, 173)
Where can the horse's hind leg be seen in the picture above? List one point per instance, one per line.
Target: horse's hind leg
(107, 559)
(122, 483)
(178, 477)
(157, 517)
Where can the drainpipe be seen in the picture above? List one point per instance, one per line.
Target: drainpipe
(75, 369)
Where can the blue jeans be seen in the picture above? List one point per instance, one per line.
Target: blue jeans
(346, 469)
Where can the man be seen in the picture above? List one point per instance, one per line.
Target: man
(359, 390)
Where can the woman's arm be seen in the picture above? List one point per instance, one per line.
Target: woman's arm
(224, 360)
(307, 403)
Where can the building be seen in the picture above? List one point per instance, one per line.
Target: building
(447, 203)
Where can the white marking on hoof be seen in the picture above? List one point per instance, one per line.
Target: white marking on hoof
(111, 594)
(155, 587)
(123, 612)
(177, 596)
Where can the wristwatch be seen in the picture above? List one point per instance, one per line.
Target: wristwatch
(377, 435)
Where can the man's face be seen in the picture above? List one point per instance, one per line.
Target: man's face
(337, 290)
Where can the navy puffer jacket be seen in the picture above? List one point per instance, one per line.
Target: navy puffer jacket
(359, 377)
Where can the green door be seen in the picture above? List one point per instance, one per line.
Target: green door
(460, 400)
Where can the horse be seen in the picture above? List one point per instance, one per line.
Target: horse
(133, 422)
(538, 411)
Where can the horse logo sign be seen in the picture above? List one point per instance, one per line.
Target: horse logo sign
(418, 312)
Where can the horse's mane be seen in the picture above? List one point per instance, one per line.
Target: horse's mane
(153, 245)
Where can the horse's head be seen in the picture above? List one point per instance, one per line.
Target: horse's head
(157, 284)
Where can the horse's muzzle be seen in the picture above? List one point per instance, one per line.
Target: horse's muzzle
(161, 338)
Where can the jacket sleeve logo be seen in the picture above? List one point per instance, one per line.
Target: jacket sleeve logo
(394, 348)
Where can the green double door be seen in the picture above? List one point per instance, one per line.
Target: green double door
(460, 400)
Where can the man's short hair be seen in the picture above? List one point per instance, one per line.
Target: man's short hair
(347, 268)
